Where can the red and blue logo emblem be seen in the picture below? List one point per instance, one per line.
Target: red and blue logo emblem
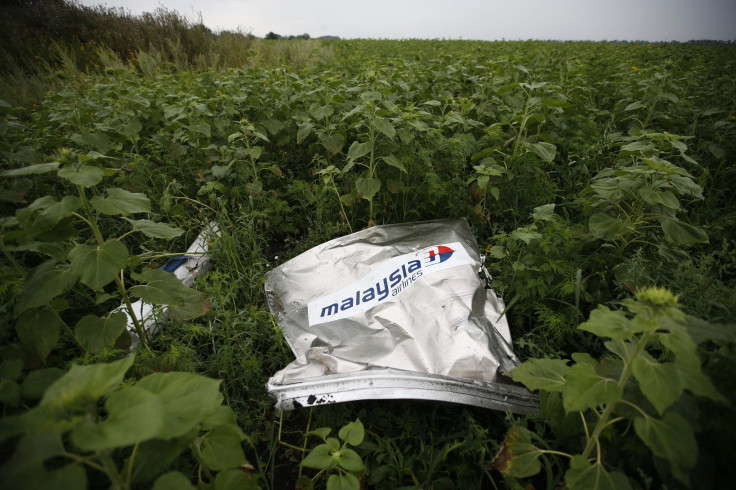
(437, 255)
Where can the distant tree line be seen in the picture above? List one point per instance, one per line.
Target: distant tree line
(272, 36)
(31, 32)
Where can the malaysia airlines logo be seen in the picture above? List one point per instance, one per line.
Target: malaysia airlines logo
(438, 254)
(387, 280)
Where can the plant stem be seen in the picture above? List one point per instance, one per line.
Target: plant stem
(83, 460)
(371, 170)
(341, 206)
(112, 472)
(128, 306)
(65, 326)
(306, 436)
(625, 375)
(129, 472)
(118, 280)
(522, 126)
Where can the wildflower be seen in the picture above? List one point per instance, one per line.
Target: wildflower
(634, 68)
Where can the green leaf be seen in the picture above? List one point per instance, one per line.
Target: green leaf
(202, 128)
(525, 236)
(367, 187)
(671, 438)
(95, 333)
(583, 358)
(358, 150)
(586, 389)
(51, 216)
(321, 111)
(39, 330)
(47, 281)
(11, 369)
(544, 213)
(679, 342)
(121, 202)
(666, 198)
(700, 330)
(97, 141)
(622, 349)
(332, 444)
(26, 468)
(254, 152)
(160, 288)
(333, 142)
(9, 392)
(156, 455)
(679, 233)
(38, 381)
(131, 129)
(222, 415)
(498, 251)
(349, 460)
(319, 458)
(82, 385)
(371, 95)
(304, 131)
(155, 230)
(660, 382)
(85, 176)
(541, 374)
(261, 136)
(164, 288)
(604, 226)
(545, 151)
(395, 162)
(697, 382)
(39, 168)
(187, 399)
(384, 126)
(518, 457)
(304, 483)
(352, 433)
(173, 480)
(637, 146)
(134, 415)
(235, 479)
(586, 476)
(192, 305)
(45, 213)
(345, 481)
(221, 448)
(607, 323)
(97, 265)
(30, 453)
(321, 432)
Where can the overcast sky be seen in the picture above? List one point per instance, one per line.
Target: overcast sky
(652, 20)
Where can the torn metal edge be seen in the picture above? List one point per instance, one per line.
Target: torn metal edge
(388, 384)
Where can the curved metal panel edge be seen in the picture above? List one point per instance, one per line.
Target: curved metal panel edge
(393, 385)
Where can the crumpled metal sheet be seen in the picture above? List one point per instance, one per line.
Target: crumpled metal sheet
(393, 311)
(194, 262)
